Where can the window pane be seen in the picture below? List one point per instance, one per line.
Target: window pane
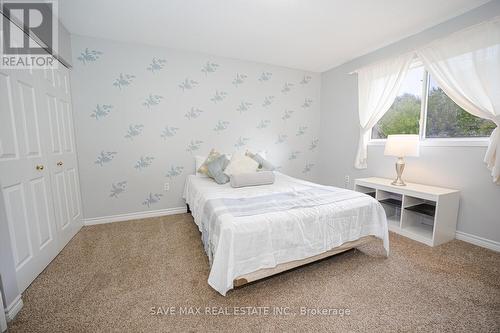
(445, 119)
(404, 114)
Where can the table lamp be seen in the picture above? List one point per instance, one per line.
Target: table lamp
(401, 145)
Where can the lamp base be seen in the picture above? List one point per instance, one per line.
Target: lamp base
(400, 166)
(398, 182)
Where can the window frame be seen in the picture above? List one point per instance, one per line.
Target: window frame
(434, 142)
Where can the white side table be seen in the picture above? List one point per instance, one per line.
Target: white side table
(427, 214)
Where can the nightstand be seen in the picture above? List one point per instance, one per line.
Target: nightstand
(427, 214)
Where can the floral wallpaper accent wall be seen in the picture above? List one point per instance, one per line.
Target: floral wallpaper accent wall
(142, 113)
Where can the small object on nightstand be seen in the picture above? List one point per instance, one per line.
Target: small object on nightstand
(401, 146)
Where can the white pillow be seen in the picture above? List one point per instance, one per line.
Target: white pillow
(199, 160)
(252, 179)
(261, 153)
(241, 164)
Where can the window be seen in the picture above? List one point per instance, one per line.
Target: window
(404, 114)
(420, 97)
(445, 119)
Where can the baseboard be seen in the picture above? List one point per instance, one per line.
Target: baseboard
(479, 241)
(13, 309)
(134, 216)
(476, 240)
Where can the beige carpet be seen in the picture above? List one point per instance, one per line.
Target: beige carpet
(109, 276)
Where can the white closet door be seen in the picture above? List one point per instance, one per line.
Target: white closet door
(24, 176)
(41, 196)
(62, 154)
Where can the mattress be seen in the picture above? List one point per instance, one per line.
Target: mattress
(252, 228)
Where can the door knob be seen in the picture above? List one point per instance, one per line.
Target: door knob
(60, 163)
(39, 167)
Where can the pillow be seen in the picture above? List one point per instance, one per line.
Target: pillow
(261, 153)
(211, 156)
(216, 169)
(264, 165)
(199, 160)
(252, 179)
(241, 164)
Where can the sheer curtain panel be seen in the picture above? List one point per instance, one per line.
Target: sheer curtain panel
(466, 65)
(378, 86)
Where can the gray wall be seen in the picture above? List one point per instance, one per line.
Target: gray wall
(455, 167)
(119, 184)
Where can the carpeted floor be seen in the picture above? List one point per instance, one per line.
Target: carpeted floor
(110, 276)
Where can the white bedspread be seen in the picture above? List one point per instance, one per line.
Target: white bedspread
(237, 245)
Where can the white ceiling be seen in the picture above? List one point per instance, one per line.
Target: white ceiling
(312, 35)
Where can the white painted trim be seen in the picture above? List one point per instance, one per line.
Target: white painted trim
(455, 142)
(376, 142)
(3, 319)
(449, 142)
(134, 216)
(479, 241)
(13, 309)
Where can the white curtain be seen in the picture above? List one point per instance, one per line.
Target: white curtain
(378, 85)
(466, 65)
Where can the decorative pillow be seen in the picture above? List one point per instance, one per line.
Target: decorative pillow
(251, 154)
(252, 179)
(211, 156)
(216, 169)
(261, 153)
(264, 165)
(241, 164)
(199, 160)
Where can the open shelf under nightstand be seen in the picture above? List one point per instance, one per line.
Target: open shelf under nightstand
(424, 213)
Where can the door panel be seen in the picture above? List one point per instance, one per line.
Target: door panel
(60, 80)
(55, 137)
(63, 126)
(41, 211)
(48, 75)
(30, 118)
(17, 218)
(63, 160)
(8, 140)
(68, 128)
(26, 190)
(66, 83)
(61, 199)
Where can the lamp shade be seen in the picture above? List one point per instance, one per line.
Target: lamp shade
(402, 145)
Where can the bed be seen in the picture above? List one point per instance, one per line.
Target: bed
(254, 232)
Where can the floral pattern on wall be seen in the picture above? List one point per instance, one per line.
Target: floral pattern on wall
(117, 189)
(123, 80)
(87, 56)
(138, 136)
(156, 65)
(101, 111)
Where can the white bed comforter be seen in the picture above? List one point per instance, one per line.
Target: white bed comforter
(237, 245)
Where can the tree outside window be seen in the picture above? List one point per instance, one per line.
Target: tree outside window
(442, 118)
